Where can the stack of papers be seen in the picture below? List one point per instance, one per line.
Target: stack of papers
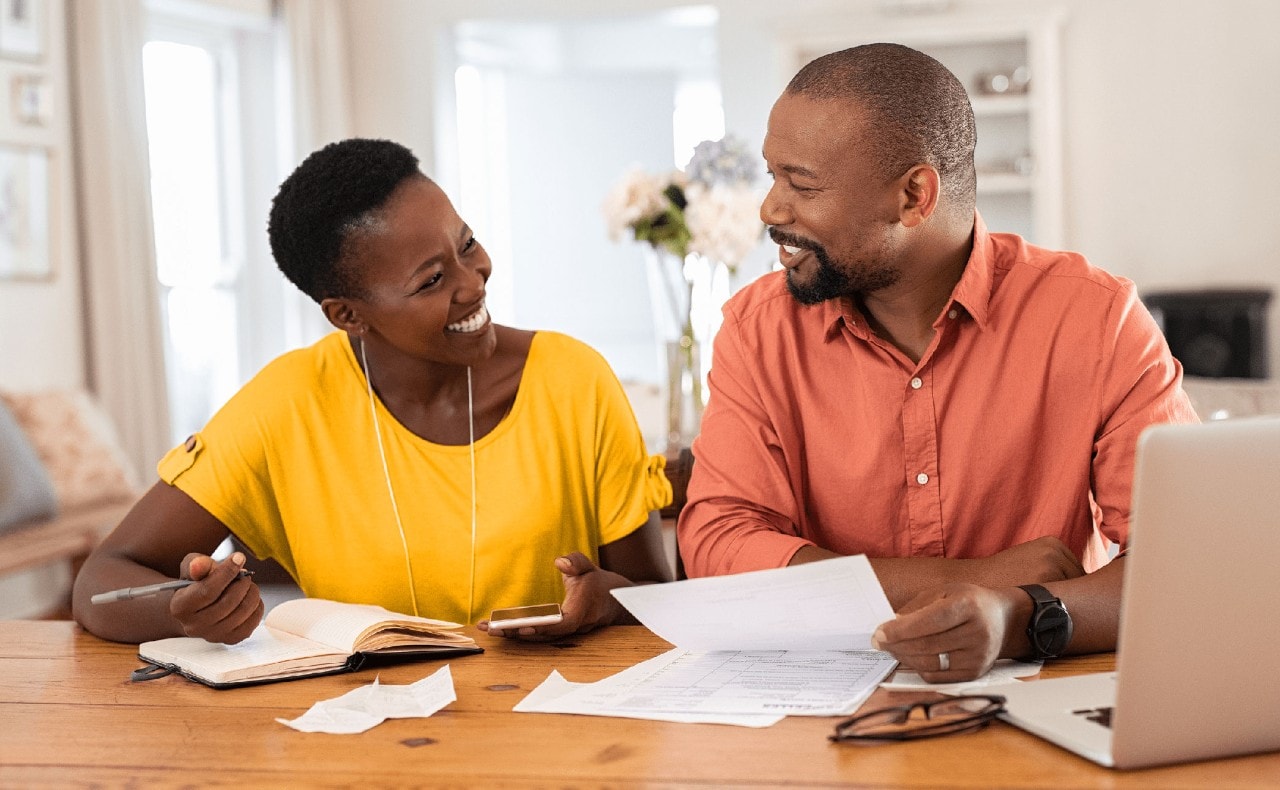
(750, 649)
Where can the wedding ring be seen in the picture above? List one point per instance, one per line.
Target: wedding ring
(944, 662)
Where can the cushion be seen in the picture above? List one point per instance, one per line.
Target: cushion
(26, 492)
(76, 443)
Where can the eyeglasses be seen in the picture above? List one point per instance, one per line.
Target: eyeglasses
(940, 717)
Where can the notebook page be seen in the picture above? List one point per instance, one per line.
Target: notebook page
(261, 655)
(340, 625)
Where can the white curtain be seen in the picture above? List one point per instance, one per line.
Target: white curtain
(124, 336)
(318, 88)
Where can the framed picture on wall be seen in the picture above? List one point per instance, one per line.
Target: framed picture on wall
(22, 29)
(24, 213)
(30, 100)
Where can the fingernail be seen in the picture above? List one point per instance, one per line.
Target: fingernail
(238, 558)
(877, 638)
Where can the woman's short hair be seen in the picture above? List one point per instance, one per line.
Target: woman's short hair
(336, 192)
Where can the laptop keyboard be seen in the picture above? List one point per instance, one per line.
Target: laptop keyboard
(1097, 715)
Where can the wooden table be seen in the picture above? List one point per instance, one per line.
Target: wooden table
(70, 716)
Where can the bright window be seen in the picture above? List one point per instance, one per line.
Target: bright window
(220, 319)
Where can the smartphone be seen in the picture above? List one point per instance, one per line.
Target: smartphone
(522, 616)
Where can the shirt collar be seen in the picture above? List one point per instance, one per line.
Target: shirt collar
(972, 293)
(841, 312)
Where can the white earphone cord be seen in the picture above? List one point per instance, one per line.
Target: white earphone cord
(471, 430)
(395, 509)
(386, 473)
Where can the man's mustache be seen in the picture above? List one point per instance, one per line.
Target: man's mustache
(788, 240)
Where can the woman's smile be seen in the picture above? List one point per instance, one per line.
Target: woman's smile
(472, 323)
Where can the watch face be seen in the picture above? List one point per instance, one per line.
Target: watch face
(1051, 629)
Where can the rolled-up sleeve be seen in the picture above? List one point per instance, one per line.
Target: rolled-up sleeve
(741, 509)
(1141, 386)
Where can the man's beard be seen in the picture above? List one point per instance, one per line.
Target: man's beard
(831, 281)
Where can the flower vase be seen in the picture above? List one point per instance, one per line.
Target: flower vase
(684, 393)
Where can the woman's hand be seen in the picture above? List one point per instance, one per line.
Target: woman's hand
(221, 606)
(587, 602)
(967, 623)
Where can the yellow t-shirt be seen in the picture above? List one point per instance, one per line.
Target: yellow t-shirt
(291, 466)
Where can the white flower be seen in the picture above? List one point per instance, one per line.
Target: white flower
(724, 221)
(636, 196)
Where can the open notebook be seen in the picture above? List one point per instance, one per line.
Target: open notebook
(304, 638)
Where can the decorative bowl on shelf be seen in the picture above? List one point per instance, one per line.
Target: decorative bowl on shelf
(1003, 81)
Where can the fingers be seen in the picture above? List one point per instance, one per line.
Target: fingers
(540, 633)
(964, 622)
(574, 564)
(929, 614)
(242, 631)
(195, 566)
(922, 600)
(1044, 559)
(1065, 562)
(587, 602)
(221, 606)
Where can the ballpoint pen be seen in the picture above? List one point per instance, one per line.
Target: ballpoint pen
(128, 593)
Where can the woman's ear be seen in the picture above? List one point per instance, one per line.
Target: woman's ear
(343, 315)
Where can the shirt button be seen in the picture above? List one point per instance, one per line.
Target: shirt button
(922, 478)
(916, 383)
(952, 314)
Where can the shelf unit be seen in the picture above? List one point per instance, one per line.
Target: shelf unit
(1019, 152)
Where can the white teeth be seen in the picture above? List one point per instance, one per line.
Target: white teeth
(470, 324)
(790, 250)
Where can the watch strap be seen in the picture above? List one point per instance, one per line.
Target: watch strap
(1040, 595)
(1047, 642)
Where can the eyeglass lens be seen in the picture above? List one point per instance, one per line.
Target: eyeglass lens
(955, 714)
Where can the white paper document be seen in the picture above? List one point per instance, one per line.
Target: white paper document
(1003, 671)
(368, 706)
(750, 648)
(558, 695)
(829, 605)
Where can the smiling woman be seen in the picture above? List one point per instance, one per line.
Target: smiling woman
(421, 458)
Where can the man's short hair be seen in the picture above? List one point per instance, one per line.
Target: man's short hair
(917, 111)
(334, 194)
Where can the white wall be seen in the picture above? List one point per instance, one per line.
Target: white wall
(1169, 115)
(568, 274)
(1170, 111)
(42, 345)
(584, 98)
(1172, 163)
(1169, 119)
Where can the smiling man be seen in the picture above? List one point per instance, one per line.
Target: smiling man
(957, 404)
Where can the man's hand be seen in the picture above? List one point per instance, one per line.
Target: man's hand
(587, 602)
(221, 606)
(1041, 561)
(968, 623)
(1038, 561)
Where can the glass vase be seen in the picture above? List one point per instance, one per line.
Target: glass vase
(684, 393)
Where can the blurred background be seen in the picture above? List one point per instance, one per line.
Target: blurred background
(143, 140)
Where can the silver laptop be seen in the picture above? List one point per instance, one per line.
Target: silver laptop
(1198, 661)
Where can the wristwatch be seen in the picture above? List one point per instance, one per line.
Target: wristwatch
(1050, 627)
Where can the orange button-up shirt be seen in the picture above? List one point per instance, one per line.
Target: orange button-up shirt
(1020, 420)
